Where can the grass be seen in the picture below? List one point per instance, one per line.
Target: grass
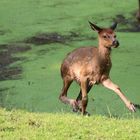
(18, 124)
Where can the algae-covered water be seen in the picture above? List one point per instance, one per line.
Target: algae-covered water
(35, 36)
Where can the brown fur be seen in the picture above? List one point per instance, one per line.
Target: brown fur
(91, 63)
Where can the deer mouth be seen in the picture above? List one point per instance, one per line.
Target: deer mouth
(115, 44)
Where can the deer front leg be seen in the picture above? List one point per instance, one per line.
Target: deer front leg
(84, 97)
(79, 98)
(110, 85)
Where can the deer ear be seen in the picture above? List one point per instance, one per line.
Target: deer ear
(113, 26)
(95, 27)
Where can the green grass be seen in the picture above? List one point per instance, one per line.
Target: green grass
(16, 124)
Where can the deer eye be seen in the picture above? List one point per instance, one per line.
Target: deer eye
(104, 36)
(115, 36)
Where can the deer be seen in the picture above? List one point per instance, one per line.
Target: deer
(90, 66)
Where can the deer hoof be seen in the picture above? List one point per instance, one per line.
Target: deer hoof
(77, 107)
(131, 107)
(86, 113)
(74, 105)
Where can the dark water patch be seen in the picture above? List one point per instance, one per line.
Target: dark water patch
(11, 73)
(46, 50)
(128, 24)
(48, 38)
(43, 51)
(6, 59)
(15, 47)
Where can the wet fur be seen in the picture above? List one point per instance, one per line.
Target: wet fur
(87, 62)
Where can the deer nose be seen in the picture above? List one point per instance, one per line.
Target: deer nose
(115, 43)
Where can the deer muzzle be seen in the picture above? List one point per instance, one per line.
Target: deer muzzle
(115, 43)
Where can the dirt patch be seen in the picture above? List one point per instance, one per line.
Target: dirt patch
(128, 24)
(7, 58)
(48, 38)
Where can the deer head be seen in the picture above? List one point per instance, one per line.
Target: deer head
(107, 36)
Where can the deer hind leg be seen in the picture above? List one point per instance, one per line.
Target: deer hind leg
(63, 96)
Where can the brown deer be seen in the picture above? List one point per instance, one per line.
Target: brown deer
(89, 66)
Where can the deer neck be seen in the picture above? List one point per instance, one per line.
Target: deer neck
(103, 51)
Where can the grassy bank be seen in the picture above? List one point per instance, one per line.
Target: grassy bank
(21, 125)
